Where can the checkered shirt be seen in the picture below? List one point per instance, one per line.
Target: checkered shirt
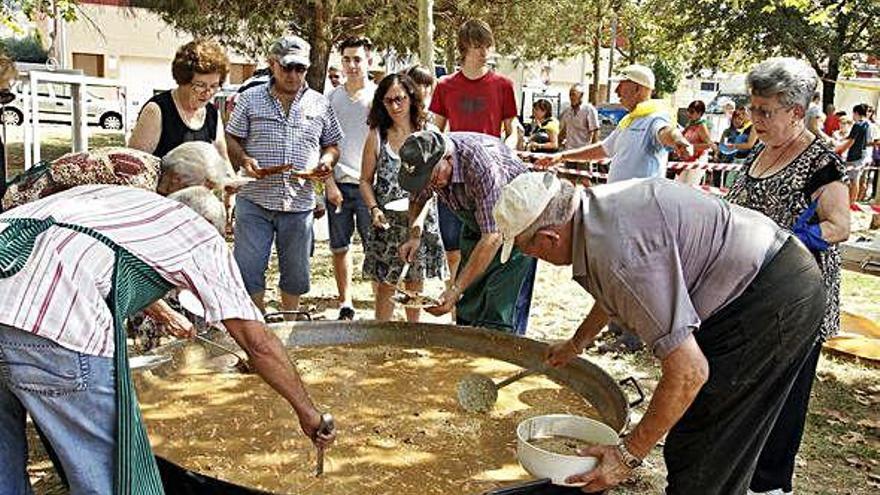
(272, 139)
(481, 166)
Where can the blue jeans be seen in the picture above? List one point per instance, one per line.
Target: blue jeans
(71, 397)
(255, 229)
(342, 224)
(450, 227)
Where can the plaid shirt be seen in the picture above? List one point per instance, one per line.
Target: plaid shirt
(272, 138)
(481, 166)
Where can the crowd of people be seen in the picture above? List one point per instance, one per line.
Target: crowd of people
(733, 296)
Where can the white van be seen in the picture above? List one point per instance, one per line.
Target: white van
(55, 105)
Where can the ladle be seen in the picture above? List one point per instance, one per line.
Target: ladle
(191, 303)
(478, 393)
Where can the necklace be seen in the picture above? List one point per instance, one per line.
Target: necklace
(785, 148)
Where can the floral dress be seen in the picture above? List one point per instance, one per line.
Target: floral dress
(382, 262)
(784, 196)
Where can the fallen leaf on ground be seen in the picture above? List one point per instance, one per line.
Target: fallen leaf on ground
(851, 437)
(871, 424)
(834, 416)
(855, 462)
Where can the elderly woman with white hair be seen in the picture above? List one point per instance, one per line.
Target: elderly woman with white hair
(794, 178)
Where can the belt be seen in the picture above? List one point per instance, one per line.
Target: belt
(779, 240)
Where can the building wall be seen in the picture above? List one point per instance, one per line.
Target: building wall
(137, 46)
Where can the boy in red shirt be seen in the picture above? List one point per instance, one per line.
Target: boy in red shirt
(475, 99)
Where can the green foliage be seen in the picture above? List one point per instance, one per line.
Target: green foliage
(667, 75)
(819, 31)
(28, 49)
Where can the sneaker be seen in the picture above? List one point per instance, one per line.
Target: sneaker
(346, 313)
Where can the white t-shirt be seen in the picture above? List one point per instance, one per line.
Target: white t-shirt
(352, 115)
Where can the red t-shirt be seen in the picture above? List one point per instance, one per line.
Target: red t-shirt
(832, 123)
(476, 105)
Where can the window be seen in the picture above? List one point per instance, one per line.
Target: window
(91, 64)
(710, 86)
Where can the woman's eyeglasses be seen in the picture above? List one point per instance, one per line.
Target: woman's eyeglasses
(200, 87)
(397, 100)
(765, 113)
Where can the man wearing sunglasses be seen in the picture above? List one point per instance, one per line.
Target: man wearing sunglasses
(283, 134)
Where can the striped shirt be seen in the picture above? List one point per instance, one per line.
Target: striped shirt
(60, 293)
(481, 166)
(272, 138)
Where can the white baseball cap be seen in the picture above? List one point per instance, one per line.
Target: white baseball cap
(521, 203)
(638, 74)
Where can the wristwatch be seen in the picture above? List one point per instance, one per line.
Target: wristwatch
(628, 459)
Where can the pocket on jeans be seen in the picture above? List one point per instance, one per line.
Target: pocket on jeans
(44, 369)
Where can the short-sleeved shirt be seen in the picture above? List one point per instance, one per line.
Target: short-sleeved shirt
(578, 123)
(475, 105)
(273, 138)
(61, 291)
(481, 166)
(661, 257)
(352, 116)
(636, 151)
(859, 135)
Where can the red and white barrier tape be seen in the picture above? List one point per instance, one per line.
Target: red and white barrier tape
(725, 167)
(865, 208)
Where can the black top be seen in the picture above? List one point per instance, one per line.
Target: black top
(859, 135)
(175, 131)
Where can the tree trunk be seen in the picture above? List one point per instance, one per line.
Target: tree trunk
(426, 34)
(321, 39)
(597, 64)
(451, 48)
(829, 79)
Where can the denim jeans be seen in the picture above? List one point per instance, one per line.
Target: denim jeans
(342, 224)
(70, 396)
(255, 229)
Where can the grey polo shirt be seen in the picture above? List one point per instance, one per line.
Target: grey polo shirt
(660, 257)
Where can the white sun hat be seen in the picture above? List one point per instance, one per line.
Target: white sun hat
(521, 203)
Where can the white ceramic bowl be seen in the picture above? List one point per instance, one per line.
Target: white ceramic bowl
(543, 464)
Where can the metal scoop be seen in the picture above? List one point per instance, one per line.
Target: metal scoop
(478, 393)
(325, 427)
(191, 303)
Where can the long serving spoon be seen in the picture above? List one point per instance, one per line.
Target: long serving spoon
(326, 427)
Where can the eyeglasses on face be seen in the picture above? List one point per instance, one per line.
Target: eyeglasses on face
(765, 113)
(202, 87)
(396, 100)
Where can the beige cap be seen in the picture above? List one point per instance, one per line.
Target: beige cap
(638, 74)
(521, 203)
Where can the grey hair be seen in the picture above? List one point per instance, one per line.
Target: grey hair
(196, 163)
(791, 79)
(558, 211)
(205, 203)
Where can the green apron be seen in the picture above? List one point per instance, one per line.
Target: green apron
(135, 286)
(490, 300)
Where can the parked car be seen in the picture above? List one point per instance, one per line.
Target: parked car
(225, 99)
(56, 105)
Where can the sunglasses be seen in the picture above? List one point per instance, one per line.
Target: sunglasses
(397, 100)
(299, 68)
